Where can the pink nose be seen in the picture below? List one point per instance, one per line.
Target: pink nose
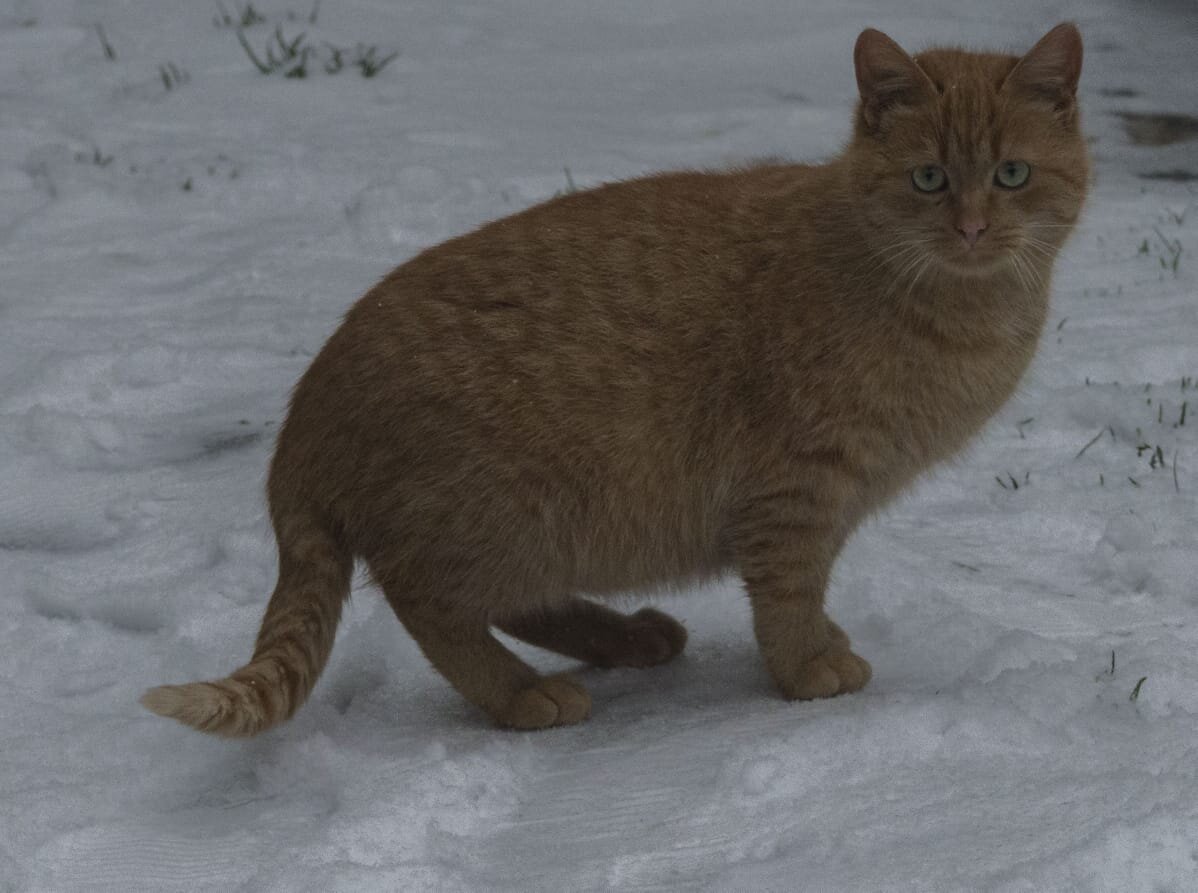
(971, 230)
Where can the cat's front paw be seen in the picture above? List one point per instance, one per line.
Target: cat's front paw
(837, 671)
(550, 701)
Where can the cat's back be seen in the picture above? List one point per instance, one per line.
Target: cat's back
(662, 242)
(592, 302)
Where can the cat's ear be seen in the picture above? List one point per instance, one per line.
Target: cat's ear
(1050, 70)
(886, 77)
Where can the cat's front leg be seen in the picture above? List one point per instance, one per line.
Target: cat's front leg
(785, 561)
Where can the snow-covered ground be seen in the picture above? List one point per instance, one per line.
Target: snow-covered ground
(178, 235)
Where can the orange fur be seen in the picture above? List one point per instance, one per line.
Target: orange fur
(657, 380)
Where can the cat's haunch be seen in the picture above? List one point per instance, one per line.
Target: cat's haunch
(652, 382)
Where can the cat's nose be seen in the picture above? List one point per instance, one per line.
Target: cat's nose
(971, 230)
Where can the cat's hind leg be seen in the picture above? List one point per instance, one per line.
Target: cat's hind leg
(460, 646)
(600, 636)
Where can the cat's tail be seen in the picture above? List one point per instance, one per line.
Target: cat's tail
(293, 645)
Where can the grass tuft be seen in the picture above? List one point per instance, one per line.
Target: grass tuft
(1170, 258)
(1091, 443)
(292, 56)
(109, 52)
(172, 76)
(1014, 482)
(243, 17)
(369, 62)
(1135, 692)
(97, 157)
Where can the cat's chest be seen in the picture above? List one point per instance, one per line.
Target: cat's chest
(927, 399)
(898, 400)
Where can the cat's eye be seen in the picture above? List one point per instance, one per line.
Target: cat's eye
(929, 178)
(1012, 174)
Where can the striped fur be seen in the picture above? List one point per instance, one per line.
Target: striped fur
(292, 648)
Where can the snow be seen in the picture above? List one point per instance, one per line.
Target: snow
(173, 258)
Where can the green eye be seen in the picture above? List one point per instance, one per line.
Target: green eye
(1012, 174)
(929, 178)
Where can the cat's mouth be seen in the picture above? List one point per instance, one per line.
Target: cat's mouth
(980, 259)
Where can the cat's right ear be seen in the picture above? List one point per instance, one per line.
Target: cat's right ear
(886, 77)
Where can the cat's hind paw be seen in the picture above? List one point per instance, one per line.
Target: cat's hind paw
(645, 639)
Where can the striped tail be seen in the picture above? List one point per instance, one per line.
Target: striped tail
(293, 644)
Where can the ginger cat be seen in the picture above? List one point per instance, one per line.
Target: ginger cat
(654, 381)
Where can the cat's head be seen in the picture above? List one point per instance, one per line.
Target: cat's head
(968, 161)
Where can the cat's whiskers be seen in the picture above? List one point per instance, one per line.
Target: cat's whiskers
(927, 263)
(897, 255)
(1018, 266)
(1039, 258)
(1029, 276)
(1047, 250)
(921, 263)
(917, 263)
(897, 247)
(896, 252)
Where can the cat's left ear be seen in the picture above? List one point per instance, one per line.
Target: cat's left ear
(1050, 70)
